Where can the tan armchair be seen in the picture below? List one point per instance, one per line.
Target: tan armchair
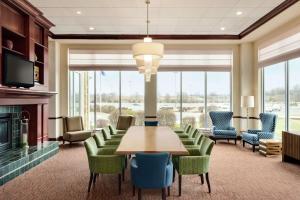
(74, 131)
(124, 122)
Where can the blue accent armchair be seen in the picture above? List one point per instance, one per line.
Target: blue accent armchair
(151, 123)
(252, 137)
(222, 128)
(152, 171)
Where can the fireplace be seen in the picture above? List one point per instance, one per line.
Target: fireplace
(5, 131)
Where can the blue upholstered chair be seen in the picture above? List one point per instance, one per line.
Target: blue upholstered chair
(151, 171)
(268, 122)
(222, 128)
(151, 123)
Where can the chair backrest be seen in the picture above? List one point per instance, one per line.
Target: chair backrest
(106, 133)
(124, 122)
(268, 121)
(151, 123)
(112, 130)
(99, 139)
(206, 146)
(73, 124)
(91, 149)
(198, 138)
(221, 119)
(187, 128)
(151, 169)
(193, 133)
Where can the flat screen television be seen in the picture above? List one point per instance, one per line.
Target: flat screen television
(17, 71)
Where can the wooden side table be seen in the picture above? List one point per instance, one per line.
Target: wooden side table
(270, 147)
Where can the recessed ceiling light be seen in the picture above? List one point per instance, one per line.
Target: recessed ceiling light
(239, 13)
(91, 28)
(78, 12)
(222, 28)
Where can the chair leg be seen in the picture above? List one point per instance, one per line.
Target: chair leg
(120, 177)
(208, 183)
(174, 174)
(234, 141)
(163, 193)
(228, 140)
(215, 141)
(169, 191)
(179, 184)
(94, 179)
(253, 148)
(123, 175)
(63, 141)
(139, 194)
(90, 182)
(133, 190)
(202, 178)
(243, 143)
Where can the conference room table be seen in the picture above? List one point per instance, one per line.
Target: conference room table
(151, 139)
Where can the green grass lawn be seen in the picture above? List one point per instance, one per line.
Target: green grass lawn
(280, 126)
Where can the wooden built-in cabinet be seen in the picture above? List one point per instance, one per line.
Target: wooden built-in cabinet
(27, 28)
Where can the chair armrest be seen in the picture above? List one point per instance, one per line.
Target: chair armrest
(107, 151)
(253, 131)
(107, 164)
(265, 135)
(231, 128)
(194, 151)
(193, 164)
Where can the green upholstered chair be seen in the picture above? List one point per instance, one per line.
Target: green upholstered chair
(193, 141)
(99, 139)
(188, 134)
(108, 139)
(181, 130)
(191, 136)
(185, 132)
(197, 142)
(114, 131)
(197, 162)
(103, 161)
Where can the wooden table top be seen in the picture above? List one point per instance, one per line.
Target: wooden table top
(151, 139)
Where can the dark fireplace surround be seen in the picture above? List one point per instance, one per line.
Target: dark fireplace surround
(5, 131)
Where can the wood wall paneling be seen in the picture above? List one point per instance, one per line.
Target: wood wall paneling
(12, 20)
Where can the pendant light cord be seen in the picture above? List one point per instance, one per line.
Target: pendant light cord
(148, 2)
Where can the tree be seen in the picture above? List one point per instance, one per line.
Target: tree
(166, 118)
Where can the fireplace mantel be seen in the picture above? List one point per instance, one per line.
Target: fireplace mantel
(15, 96)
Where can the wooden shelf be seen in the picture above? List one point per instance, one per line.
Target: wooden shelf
(12, 51)
(39, 62)
(40, 45)
(11, 31)
(7, 90)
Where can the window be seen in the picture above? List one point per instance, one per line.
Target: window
(218, 92)
(75, 94)
(182, 96)
(193, 98)
(108, 97)
(100, 101)
(281, 94)
(132, 95)
(274, 93)
(168, 98)
(294, 94)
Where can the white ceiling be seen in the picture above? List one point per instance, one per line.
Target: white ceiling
(166, 16)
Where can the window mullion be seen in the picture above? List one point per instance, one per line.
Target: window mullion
(286, 95)
(205, 99)
(180, 81)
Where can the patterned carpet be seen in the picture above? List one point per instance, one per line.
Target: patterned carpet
(236, 173)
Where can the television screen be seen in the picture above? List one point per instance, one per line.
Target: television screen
(18, 72)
